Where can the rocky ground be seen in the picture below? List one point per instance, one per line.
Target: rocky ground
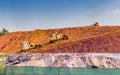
(84, 60)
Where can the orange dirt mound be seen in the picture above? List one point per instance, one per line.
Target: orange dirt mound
(92, 39)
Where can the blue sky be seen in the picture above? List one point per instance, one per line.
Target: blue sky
(18, 15)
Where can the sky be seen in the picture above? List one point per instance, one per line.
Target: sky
(22, 15)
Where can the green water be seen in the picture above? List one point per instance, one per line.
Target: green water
(30, 70)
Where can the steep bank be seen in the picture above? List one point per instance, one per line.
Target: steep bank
(81, 40)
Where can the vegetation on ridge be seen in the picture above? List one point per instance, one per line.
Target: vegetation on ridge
(3, 32)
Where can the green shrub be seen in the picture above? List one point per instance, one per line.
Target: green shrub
(2, 66)
(3, 32)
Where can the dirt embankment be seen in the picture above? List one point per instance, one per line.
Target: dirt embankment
(81, 40)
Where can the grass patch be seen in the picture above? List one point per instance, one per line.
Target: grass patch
(2, 66)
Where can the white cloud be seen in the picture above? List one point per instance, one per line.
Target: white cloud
(116, 11)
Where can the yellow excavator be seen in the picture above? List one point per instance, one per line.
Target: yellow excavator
(27, 46)
(55, 37)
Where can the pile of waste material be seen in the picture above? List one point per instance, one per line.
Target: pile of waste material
(83, 60)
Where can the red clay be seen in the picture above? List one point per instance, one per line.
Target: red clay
(103, 39)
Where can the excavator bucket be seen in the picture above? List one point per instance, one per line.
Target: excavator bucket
(65, 37)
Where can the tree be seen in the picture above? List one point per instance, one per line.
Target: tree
(3, 32)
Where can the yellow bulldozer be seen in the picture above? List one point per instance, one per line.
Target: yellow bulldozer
(27, 46)
(55, 37)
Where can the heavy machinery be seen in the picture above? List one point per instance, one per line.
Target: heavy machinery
(55, 37)
(95, 24)
(27, 45)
